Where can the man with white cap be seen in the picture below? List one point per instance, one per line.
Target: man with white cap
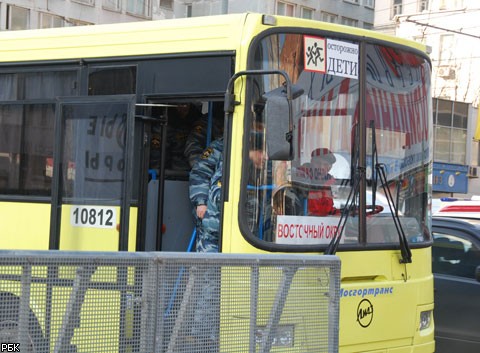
(321, 162)
(320, 199)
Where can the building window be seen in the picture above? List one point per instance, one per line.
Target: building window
(307, 13)
(115, 5)
(87, 2)
(139, 7)
(422, 5)
(450, 4)
(349, 22)
(446, 48)
(189, 8)
(73, 22)
(17, 18)
(367, 25)
(451, 121)
(329, 17)
(369, 3)
(285, 9)
(353, 1)
(397, 7)
(168, 4)
(50, 21)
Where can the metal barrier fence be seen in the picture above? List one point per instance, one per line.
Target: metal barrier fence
(65, 302)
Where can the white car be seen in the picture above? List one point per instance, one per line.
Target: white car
(459, 208)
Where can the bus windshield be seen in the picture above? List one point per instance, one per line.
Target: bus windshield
(356, 145)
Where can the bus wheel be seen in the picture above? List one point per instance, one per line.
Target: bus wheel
(9, 316)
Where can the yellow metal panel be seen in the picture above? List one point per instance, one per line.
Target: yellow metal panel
(95, 239)
(30, 227)
(136, 38)
(361, 271)
(31, 230)
(84, 238)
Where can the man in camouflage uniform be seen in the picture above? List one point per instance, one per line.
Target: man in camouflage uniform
(205, 194)
(180, 122)
(205, 190)
(197, 138)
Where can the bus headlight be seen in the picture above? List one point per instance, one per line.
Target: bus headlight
(425, 319)
(283, 335)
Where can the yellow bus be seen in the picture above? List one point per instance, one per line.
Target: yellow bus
(327, 150)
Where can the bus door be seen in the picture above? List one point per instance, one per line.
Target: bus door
(167, 211)
(179, 132)
(92, 174)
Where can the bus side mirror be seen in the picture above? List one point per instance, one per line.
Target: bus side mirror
(279, 127)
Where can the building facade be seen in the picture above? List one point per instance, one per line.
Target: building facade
(450, 28)
(33, 14)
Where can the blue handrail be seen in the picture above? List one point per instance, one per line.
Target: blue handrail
(153, 174)
(180, 275)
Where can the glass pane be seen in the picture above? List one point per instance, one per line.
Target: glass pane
(460, 115)
(290, 10)
(139, 7)
(398, 155)
(444, 111)
(26, 149)
(11, 117)
(112, 80)
(38, 85)
(112, 4)
(18, 18)
(167, 4)
(309, 190)
(307, 13)
(94, 140)
(454, 255)
(459, 143)
(442, 144)
(50, 84)
(9, 82)
(50, 21)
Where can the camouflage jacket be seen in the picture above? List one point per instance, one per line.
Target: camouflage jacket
(206, 175)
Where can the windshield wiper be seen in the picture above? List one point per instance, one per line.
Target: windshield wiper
(350, 204)
(380, 173)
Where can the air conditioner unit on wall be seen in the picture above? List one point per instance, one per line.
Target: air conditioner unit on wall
(473, 172)
(446, 72)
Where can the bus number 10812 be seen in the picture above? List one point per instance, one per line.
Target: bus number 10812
(93, 216)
